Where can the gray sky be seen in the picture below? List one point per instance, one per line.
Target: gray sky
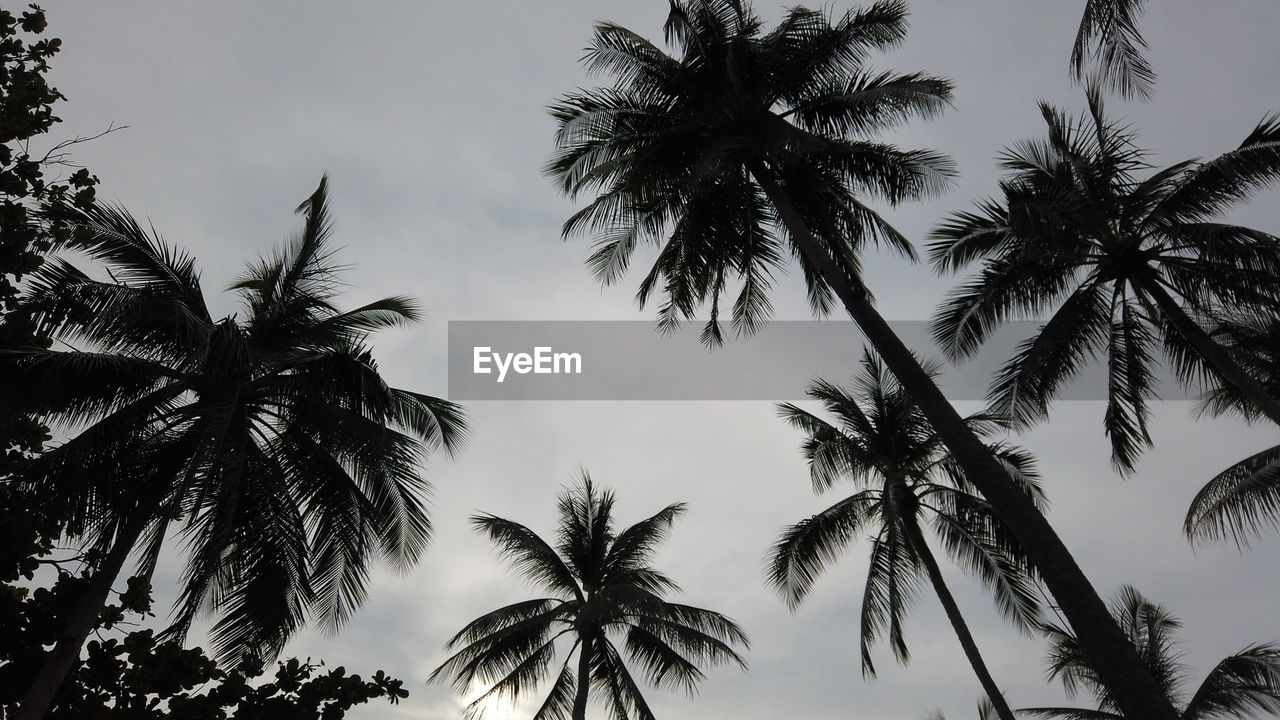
(429, 118)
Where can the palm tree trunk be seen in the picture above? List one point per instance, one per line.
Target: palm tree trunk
(1212, 352)
(58, 662)
(918, 543)
(1112, 655)
(584, 680)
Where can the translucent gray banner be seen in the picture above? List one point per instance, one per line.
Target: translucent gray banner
(631, 360)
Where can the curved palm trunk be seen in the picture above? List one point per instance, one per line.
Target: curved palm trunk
(1117, 662)
(59, 661)
(918, 543)
(1212, 352)
(584, 680)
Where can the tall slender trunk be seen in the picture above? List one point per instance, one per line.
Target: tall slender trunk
(918, 543)
(1212, 352)
(1112, 655)
(584, 679)
(58, 661)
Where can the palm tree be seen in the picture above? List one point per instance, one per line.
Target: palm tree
(272, 439)
(1236, 687)
(1109, 40)
(1239, 501)
(1125, 260)
(904, 479)
(601, 590)
(747, 148)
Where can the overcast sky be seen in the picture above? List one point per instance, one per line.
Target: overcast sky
(430, 119)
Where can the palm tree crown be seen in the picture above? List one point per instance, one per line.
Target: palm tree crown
(270, 435)
(905, 481)
(1123, 263)
(605, 598)
(684, 149)
(1237, 687)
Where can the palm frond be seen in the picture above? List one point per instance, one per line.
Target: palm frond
(893, 580)
(663, 665)
(529, 554)
(1129, 383)
(804, 550)
(355, 325)
(1227, 180)
(1245, 683)
(558, 704)
(831, 453)
(137, 257)
(625, 699)
(1239, 501)
(437, 422)
(80, 387)
(701, 635)
(865, 103)
(633, 548)
(264, 597)
(1022, 389)
(1109, 40)
(979, 542)
(1006, 289)
(809, 51)
(522, 676)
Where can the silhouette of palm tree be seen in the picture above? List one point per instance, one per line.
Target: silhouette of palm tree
(603, 591)
(1126, 261)
(273, 439)
(905, 480)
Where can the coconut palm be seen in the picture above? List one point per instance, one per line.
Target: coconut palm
(604, 597)
(1244, 498)
(1109, 49)
(1237, 687)
(746, 148)
(1121, 261)
(270, 438)
(905, 480)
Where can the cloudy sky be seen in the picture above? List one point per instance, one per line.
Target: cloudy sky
(429, 118)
